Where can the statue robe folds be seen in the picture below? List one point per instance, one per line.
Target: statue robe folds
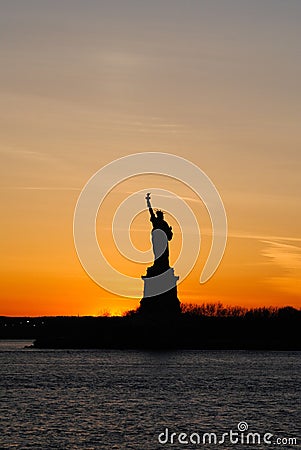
(161, 234)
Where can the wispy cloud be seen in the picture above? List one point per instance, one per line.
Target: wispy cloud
(288, 258)
(263, 238)
(40, 188)
(143, 124)
(29, 154)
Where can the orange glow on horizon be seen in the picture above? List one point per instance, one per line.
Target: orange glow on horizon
(79, 90)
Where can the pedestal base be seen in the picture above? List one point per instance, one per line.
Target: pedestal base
(160, 295)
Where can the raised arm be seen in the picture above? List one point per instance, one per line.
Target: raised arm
(152, 214)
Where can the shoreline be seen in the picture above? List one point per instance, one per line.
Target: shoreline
(185, 331)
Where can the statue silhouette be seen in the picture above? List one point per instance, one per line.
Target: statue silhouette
(161, 234)
(160, 298)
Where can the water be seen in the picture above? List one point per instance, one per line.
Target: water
(85, 399)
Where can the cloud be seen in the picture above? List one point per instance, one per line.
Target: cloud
(288, 258)
(263, 238)
(29, 154)
(40, 188)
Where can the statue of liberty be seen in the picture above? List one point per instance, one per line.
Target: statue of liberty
(160, 297)
(161, 234)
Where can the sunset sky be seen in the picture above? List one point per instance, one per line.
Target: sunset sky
(84, 82)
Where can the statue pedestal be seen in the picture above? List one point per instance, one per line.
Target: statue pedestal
(160, 294)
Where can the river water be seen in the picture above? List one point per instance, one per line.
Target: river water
(104, 399)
